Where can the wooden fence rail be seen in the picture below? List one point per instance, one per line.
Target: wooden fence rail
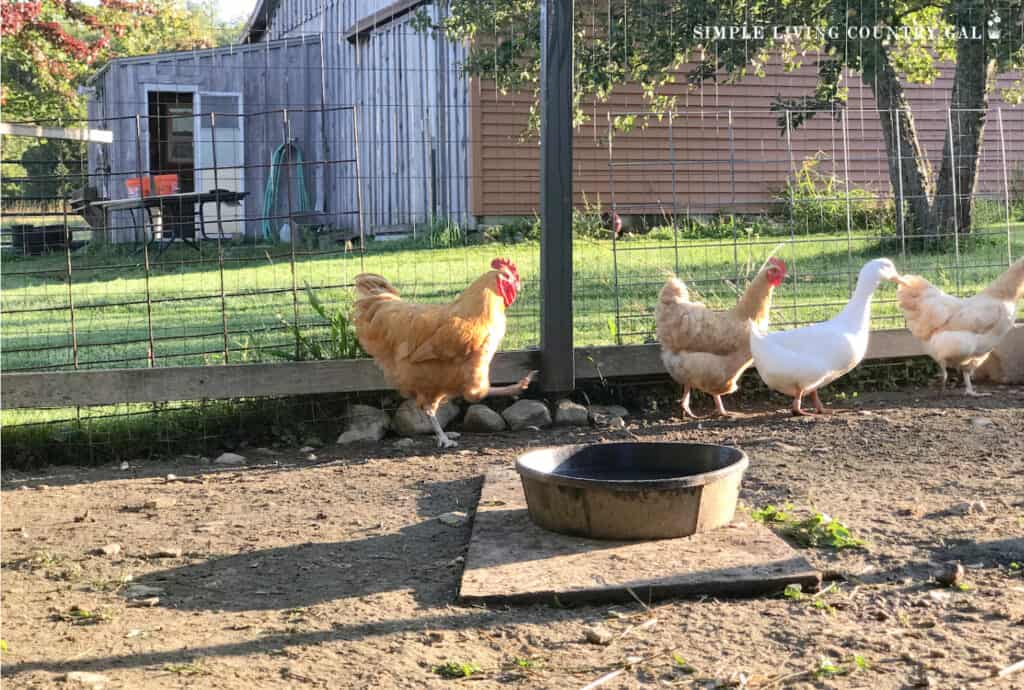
(164, 384)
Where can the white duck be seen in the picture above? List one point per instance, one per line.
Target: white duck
(800, 361)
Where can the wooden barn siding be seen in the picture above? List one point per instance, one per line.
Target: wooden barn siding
(410, 100)
(271, 77)
(506, 168)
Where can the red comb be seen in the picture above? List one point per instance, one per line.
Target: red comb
(778, 263)
(499, 264)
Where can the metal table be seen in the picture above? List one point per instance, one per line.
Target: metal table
(197, 199)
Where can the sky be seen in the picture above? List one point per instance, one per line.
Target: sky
(226, 9)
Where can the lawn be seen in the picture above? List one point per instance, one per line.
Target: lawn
(616, 287)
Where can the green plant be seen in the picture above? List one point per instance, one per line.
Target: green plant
(524, 663)
(819, 202)
(817, 530)
(772, 514)
(681, 664)
(525, 229)
(341, 341)
(794, 592)
(827, 668)
(456, 669)
(192, 668)
(821, 530)
(79, 616)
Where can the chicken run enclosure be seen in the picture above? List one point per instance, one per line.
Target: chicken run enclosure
(320, 147)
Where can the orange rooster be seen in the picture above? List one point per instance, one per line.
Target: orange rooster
(960, 333)
(709, 350)
(432, 352)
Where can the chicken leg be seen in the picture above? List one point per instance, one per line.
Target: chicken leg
(798, 410)
(720, 408)
(970, 387)
(515, 388)
(684, 404)
(818, 406)
(443, 441)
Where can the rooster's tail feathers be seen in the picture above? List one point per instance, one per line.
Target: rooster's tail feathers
(371, 285)
(674, 291)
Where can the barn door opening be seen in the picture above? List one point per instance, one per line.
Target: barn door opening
(220, 159)
(172, 152)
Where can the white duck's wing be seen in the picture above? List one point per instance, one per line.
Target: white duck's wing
(804, 359)
(785, 361)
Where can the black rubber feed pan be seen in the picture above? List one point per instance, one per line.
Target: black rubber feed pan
(632, 490)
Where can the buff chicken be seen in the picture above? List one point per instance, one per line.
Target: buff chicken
(706, 349)
(433, 352)
(960, 333)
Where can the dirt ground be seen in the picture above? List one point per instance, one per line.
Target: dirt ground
(336, 572)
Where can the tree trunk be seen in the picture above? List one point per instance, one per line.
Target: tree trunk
(958, 175)
(909, 171)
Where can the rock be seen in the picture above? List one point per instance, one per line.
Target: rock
(110, 549)
(524, 413)
(981, 422)
(968, 508)
(313, 441)
(598, 634)
(938, 596)
(483, 419)
(404, 443)
(85, 679)
(307, 449)
(951, 574)
(148, 602)
(410, 420)
(616, 423)
(141, 592)
(167, 552)
(125, 466)
(602, 414)
(366, 423)
(229, 459)
(453, 519)
(568, 413)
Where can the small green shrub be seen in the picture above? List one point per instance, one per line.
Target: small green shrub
(341, 341)
(817, 202)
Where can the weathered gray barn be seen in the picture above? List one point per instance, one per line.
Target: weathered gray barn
(376, 109)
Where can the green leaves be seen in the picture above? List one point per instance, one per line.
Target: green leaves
(456, 669)
(817, 530)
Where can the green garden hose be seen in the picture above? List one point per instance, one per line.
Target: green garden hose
(270, 194)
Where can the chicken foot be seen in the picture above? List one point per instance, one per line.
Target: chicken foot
(720, 408)
(818, 406)
(513, 389)
(443, 440)
(684, 404)
(797, 406)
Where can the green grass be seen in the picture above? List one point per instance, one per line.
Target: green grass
(186, 308)
(186, 304)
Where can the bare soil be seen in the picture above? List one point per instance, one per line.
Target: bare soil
(337, 573)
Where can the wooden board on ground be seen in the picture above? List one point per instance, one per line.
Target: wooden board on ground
(512, 561)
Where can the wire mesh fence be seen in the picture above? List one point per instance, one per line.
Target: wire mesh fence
(245, 187)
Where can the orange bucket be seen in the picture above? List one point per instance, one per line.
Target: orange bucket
(165, 184)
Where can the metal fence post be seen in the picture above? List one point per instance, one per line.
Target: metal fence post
(556, 325)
